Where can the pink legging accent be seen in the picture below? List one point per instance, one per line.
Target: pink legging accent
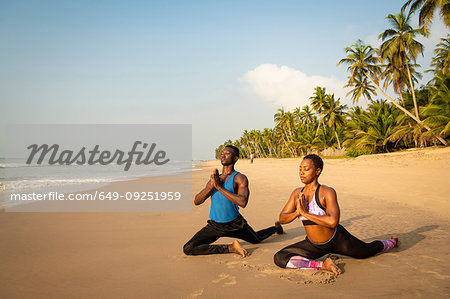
(300, 262)
(388, 244)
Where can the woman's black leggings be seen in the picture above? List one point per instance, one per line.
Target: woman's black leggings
(341, 243)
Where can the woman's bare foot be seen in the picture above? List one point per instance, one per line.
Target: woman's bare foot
(279, 228)
(396, 240)
(235, 247)
(329, 265)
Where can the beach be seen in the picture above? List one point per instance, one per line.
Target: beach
(139, 255)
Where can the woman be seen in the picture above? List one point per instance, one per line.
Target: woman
(318, 209)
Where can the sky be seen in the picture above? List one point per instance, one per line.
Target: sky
(222, 66)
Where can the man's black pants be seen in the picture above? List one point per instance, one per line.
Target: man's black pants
(238, 228)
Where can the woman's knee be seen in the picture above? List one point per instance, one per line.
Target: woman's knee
(361, 253)
(370, 249)
(280, 259)
(364, 255)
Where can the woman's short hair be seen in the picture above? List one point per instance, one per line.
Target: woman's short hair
(317, 161)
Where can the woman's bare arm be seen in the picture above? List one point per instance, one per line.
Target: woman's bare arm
(331, 219)
(292, 209)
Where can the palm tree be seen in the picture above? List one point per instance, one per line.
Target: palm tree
(408, 131)
(270, 141)
(441, 60)
(427, 10)
(355, 124)
(334, 114)
(307, 116)
(362, 60)
(437, 113)
(247, 140)
(361, 87)
(318, 102)
(400, 46)
(357, 120)
(296, 115)
(284, 124)
(285, 120)
(380, 123)
(310, 141)
(245, 151)
(397, 76)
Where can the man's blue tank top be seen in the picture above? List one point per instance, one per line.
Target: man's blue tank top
(222, 210)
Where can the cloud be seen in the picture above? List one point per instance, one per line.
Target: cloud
(437, 31)
(287, 87)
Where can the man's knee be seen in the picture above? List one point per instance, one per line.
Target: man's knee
(280, 259)
(188, 248)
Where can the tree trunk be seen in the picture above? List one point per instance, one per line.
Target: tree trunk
(262, 150)
(406, 111)
(286, 145)
(318, 126)
(365, 99)
(257, 150)
(272, 150)
(412, 91)
(324, 135)
(401, 98)
(339, 144)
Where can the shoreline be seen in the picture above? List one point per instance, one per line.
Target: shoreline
(90, 188)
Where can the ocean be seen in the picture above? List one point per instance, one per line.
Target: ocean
(16, 176)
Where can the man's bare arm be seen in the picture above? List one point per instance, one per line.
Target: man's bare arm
(204, 194)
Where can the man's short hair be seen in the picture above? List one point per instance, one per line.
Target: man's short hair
(236, 150)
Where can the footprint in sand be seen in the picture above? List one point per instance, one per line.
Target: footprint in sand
(230, 282)
(226, 279)
(232, 264)
(437, 274)
(380, 264)
(431, 257)
(195, 294)
(222, 276)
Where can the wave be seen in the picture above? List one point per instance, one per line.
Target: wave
(30, 183)
(43, 183)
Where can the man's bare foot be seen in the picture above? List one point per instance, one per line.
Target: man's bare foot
(235, 247)
(396, 240)
(329, 265)
(279, 228)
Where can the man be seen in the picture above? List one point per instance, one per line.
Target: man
(228, 192)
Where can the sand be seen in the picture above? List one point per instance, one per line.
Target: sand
(139, 255)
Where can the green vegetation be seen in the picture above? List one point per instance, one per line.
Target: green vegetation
(420, 117)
